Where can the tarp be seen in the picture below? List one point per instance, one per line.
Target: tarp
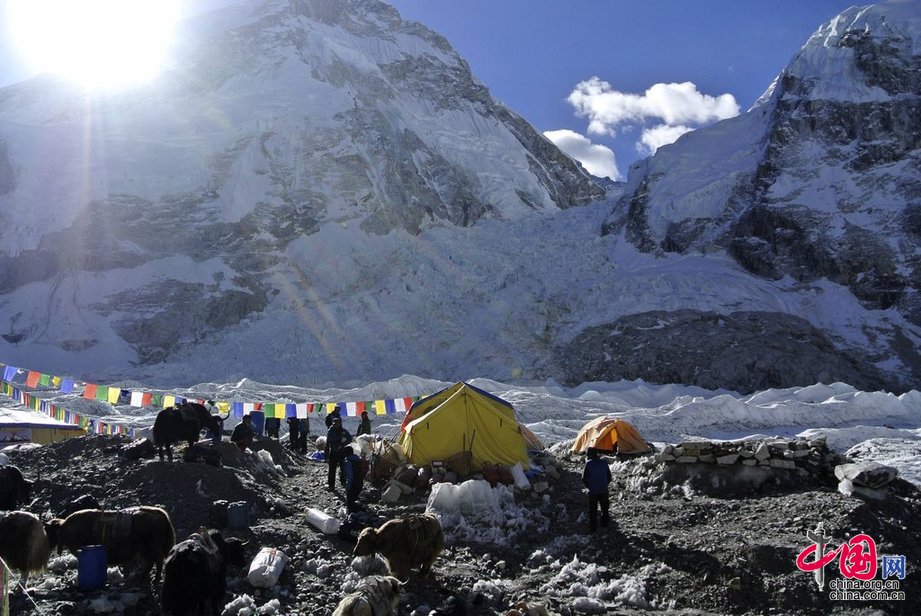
(463, 418)
(604, 432)
(18, 426)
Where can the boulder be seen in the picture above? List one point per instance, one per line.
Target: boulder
(866, 474)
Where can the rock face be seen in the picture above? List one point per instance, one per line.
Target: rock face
(819, 181)
(743, 351)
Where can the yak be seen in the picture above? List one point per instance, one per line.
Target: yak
(138, 534)
(415, 540)
(183, 422)
(14, 488)
(23, 543)
(375, 595)
(195, 573)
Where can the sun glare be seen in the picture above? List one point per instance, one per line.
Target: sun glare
(98, 43)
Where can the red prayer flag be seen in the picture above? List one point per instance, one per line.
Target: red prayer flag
(32, 379)
(89, 391)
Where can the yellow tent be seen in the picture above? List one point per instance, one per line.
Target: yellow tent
(463, 418)
(604, 432)
(21, 426)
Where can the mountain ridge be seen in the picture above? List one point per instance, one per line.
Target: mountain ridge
(350, 204)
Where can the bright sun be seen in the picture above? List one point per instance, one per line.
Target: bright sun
(99, 43)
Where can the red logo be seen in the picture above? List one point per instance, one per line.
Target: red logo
(857, 557)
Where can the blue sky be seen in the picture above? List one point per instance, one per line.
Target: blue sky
(607, 80)
(532, 54)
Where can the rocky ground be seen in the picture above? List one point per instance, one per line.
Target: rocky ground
(670, 548)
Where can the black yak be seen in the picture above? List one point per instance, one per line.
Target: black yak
(14, 488)
(23, 543)
(138, 534)
(195, 573)
(183, 422)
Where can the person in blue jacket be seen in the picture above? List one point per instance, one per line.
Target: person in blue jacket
(597, 477)
(355, 471)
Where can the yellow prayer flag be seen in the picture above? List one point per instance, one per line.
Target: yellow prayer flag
(380, 407)
(169, 401)
(114, 392)
(330, 407)
(223, 408)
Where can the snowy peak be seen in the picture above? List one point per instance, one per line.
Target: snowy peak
(864, 54)
(819, 183)
(196, 203)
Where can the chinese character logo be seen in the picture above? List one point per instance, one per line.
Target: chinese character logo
(856, 557)
(893, 566)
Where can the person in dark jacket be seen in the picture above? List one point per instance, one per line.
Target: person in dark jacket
(305, 430)
(272, 427)
(365, 426)
(336, 440)
(597, 477)
(294, 433)
(243, 434)
(355, 470)
(331, 416)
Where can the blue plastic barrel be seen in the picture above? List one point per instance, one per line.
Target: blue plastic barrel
(238, 515)
(258, 422)
(91, 567)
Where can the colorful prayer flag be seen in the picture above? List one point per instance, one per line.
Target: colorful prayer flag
(169, 401)
(89, 392)
(237, 409)
(32, 379)
(9, 373)
(44, 380)
(137, 398)
(380, 408)
(102, 393)
(67, 386)
(114, 393)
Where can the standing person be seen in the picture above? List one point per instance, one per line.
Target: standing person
(355, 471)
(305, 430)
(365, 426)
(331, 416)
(336, 440)
(243, 434)
(597, 477)
(294, 433)
(272, 427)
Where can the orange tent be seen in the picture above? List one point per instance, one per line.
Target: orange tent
(604, 432)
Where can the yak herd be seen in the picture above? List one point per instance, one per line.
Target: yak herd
(193, 571)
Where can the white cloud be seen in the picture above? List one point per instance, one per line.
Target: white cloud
(597, 159)
(657, 136)
(679, 107)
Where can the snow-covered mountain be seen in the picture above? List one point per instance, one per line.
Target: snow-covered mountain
(817, 187)
(138, 221)
(317, 192)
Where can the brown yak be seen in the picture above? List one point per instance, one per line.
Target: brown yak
(23, 543)
(415, 540)
(137, 534)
